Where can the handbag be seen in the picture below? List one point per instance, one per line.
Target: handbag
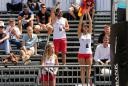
(12, 57)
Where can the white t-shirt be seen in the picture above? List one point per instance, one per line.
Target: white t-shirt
(85, 44)
(59, 31)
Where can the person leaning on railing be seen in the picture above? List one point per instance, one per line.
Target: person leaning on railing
(48, 75)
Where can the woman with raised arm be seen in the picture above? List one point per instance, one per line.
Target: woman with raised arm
(48, 76)
(85, 51)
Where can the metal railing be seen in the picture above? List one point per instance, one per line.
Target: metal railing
(30, 75)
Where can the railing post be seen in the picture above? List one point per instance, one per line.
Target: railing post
(112, 12)
(126, 10)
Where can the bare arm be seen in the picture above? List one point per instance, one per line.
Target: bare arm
(16, 34)
(56, 63)
(31, 18)
(42, 61)
(38, 21)
(20, 23)
(80, 26)
(66, 25)
(6, 36)
(90, 23)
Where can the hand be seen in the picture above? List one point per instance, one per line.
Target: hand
(55, 72)
(43, 26)
(101, 62)
(1, 40)
(13, 31)
(107, 62)
(25, 16)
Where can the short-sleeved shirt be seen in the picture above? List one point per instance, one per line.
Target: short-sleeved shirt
(29, 42)
(43, 18)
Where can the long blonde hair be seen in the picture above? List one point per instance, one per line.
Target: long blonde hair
(46, 53)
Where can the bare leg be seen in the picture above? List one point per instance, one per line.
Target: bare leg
(23, 55)
(89, 62)
(64, 58)
(71, 11)
(82, 70)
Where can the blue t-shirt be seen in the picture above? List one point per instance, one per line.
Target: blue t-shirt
(29, 42)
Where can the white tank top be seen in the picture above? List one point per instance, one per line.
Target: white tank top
(49, 62)
(85, 44)
(59, 31)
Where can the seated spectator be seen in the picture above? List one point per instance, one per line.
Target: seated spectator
(25, 18)
(48, 76)
(105, 32)
(4, 42)
(33, 5)
(102, 57)
(28, 49)
(14, 33)
(73, 9)
(15, 5)
(102, 52)
(43, 19)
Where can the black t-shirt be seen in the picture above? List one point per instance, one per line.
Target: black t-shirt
(43, 18)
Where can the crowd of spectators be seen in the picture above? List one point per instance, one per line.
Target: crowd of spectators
(52, 21)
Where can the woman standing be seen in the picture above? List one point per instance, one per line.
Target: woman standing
(48, 76)
(85, 51)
